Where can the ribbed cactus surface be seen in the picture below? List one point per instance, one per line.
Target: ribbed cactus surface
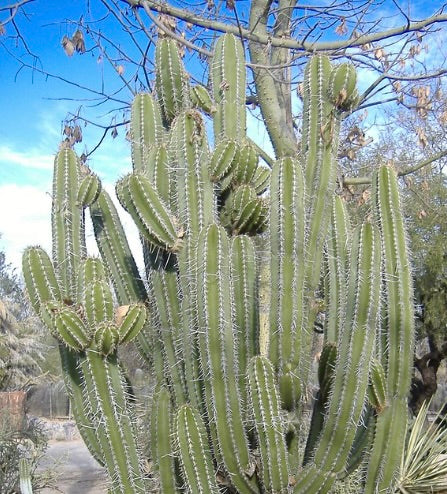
(240, 261)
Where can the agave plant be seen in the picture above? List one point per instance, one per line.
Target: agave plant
(424, 462)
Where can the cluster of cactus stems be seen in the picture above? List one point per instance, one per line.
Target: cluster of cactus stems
(231, 355)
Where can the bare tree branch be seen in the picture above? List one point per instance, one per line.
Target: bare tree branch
(407, 171)
(294, 44)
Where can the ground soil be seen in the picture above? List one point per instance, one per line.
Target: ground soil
(76, 470)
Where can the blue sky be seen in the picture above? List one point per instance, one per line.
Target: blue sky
(33, 108)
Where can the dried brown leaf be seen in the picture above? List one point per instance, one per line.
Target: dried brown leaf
(341, 29)
(68, 46)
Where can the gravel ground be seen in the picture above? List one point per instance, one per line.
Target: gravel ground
(77, 471)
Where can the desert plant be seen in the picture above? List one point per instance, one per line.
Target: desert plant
(232, 363)
(424, 462)
(26, 443)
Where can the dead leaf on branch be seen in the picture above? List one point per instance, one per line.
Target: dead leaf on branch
(397, 85)
(364, 198)
(423, 104)
(341, 29)
(380, 54)
(68, 46)
(73, 134)
(78, 41)
(169, 22)
(414, 51)
(422, 137)
(74, 44)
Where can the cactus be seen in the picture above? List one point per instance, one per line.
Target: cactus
(231, 358)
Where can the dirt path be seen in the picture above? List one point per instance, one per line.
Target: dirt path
(77, 471)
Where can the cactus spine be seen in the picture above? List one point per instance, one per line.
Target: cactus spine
(232, 357)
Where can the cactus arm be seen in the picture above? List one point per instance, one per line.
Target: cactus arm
(195, 205)
(363, 439)
(189, 154)
(89, 189)
(397, 356)
(390, 423)
(268, 423)
(246, 164)
(377, 389)
(110, 413)
(70, 329)
(228, 79)
(244, 212)
(162, 174)
(171, 82)
(337, 262)
(354, 354)
(399, 289)
(218, 354)
(161, 440)
(261, 179)
(326, 368)
(245, 304)
(115, 251)
(189, 335)
(146, 130)
(166, 290)
(40, 278)
(119, 261)
(201, 98)
(98, 302)
(141, 200)
(67, 221)
(223, 159)
(195, 458)
(25, 476)
(317, 147)
(286, 235)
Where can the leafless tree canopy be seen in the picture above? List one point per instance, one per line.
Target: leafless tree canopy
(396, 46)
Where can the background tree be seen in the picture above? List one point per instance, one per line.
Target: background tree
(23, 345)
(399, 45)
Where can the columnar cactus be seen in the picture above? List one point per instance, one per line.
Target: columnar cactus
(231, 385)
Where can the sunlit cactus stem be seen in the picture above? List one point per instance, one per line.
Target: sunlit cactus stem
(245, 258)
(397, 352)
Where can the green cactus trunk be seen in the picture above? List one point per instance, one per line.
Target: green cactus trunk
(230, 353)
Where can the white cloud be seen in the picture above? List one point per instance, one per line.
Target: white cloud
(25, 220)
(31, 159)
